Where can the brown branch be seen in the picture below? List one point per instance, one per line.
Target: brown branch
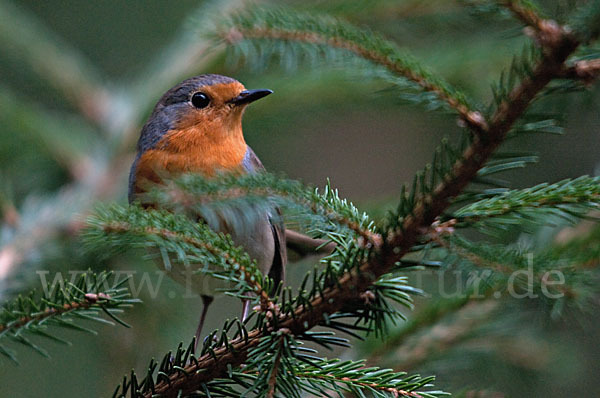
(525, 14)
(398, 243)
(477, 154)
(9, 213)
(473, 119)
(584, 70)
(49, 312)
(546, 32)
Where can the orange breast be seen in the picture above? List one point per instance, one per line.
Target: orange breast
(191, 150)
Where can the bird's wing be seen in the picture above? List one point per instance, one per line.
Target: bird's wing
(301, 244)
(252, 164)
(277, 271)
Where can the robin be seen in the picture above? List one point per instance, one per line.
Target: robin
(196, 127)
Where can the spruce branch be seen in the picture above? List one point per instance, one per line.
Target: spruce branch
(86, 299)
(576, 261)
(187, 240)
(303, 373)
(165, 234)
(353, 376)
(483, 146)
(272, 363)
(586, 71)
(299, 28)
(567, 199)
(357, 279)
(204, 197)
(273, 376)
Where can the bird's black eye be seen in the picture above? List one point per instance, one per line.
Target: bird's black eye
(200, 100)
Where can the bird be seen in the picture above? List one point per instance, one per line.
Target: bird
(196, 128)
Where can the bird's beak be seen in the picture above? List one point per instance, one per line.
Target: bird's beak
(248, 96)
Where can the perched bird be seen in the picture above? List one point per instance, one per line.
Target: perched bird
(196, 127)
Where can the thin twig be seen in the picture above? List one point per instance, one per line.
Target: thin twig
(547, 32)
(584, 70)
(474, 119)
(539, 204)
(47, 313)
(350, 382)
(525, 14)
(477, 154)
(273, 379)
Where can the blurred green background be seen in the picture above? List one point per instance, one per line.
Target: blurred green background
(322, 122)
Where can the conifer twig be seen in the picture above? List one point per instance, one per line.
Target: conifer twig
(482, 147)
(85, 299)
(50, 312)
(170, 235)
(472, 118)
(275, 368)
(396, 392)
(186, 199)
(399, 242)
(584, 70)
